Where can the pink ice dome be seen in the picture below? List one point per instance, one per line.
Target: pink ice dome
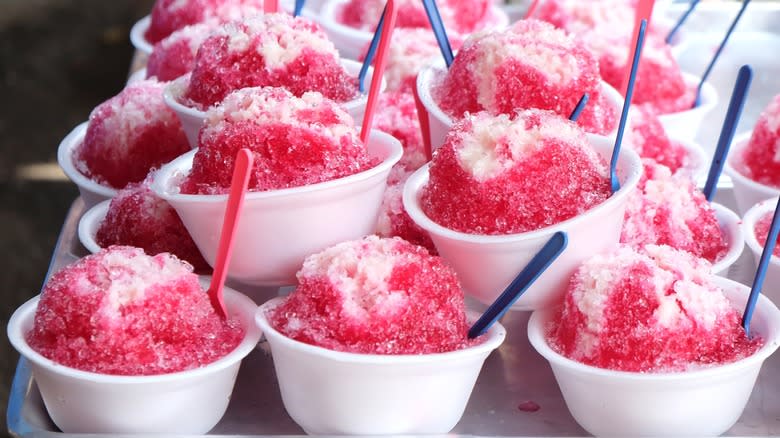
(460, 16)
(295, 141)
(761, 156)
(274, 50)
(123, 312)
(650, 310)
(670, 210)
(502, 175)
(529, 65)
(659, 84)
(169, 16)
(130, 134)
(375, 296)
(761, 231)
(649, 140)
(137, 217)
(411, 50)
(174, 55)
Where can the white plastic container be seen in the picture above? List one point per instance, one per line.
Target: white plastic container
(686, 124)
(352, 43)
(138, 38)
(772, 280)
(186, 402)
(487, 264)
(89, 225)
(330, 392)
(705, 402)
(279, 228)
(746, 191)
(440, 122)
(192, 118)
(91, 192)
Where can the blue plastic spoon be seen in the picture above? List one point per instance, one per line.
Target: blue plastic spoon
(715, 57)
(640, 39)
(681, 21)
(438, 30)
(758, 281)
(538, 264)
(298, 7)
(737, 102)
(579, 108)
(371, 52)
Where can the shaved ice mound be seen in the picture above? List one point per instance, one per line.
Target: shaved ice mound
(123, 312)
(296, 141)
(652, 310)
(273, 50)
(375, 296)
(496, 175)
(137, 217)
(529, 65)
(130, 134)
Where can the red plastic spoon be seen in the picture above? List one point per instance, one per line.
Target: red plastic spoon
(238, 186)
(271, 6)
(379, 69)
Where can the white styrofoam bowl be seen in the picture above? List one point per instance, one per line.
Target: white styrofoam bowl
(331, 392)
(746, 191)
(91, 192)
(686, 124)
(138, 38)
(186, 402)
(486, 264)
(279, 228)
(731, 226)
(440, 122)
(192, 118)
(89, 225)
(352, 43)
(704, 402)
(772, 279)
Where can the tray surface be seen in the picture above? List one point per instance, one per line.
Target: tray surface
(515, 374)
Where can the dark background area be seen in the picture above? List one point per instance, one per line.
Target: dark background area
(58, 60)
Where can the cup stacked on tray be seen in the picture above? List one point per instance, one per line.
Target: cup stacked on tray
(382, 240)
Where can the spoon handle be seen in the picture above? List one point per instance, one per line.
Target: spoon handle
(538, 264)
(235, 201)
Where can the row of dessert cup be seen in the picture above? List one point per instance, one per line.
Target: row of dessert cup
(330, 392)
(293, 359)
(290, 357)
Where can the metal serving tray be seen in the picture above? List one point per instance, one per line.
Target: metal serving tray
(514, 377)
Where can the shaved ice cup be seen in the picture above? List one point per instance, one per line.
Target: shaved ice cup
(329, 392)
(772, 280)
(731, 226)
(89, 225)
(746, 191)
(192, 118)
(91, 192)
(486, 264)
(686, 124)
(440, 122)
(186, 402)
(352, 42)
(279, 228)
(705, 402)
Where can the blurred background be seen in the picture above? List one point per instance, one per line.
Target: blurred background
(58, 60)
